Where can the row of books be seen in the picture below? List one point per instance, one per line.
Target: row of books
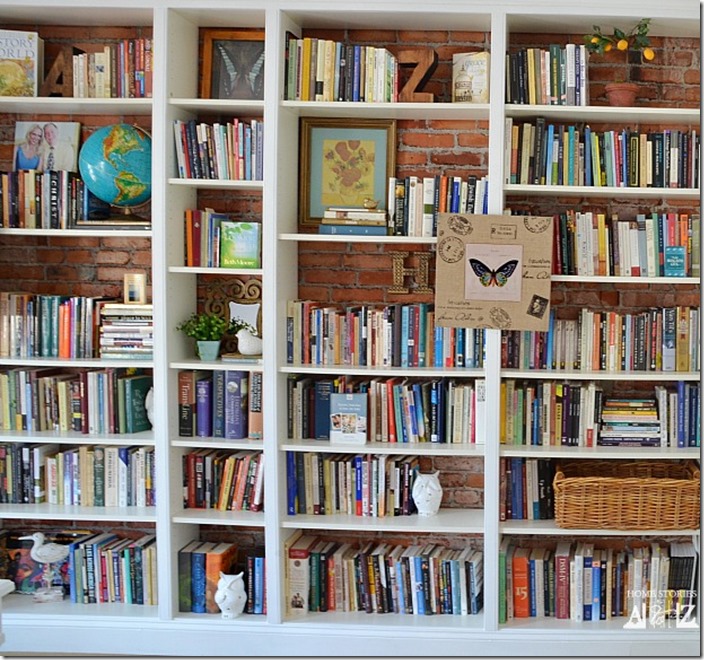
(200, 564)
(229, 151)
(656, 245)
(325, 70)
(557, 75)
(544, 153)
(215, 240)
(223, 480)
(571, 414)
(408, 410)
(581, 581)
(393, 335)
(525, 489)
(45, 325)
(36, 473)
(119, 70)
(55, 199)
(658, 339)
(417, 201)
(366, 485)
(379, 578)
(220, 404)
(127, 331)
(109, 568)
(93, 401)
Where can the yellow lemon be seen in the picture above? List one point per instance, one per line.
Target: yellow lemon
(622, 44)
(595, 40)
(648, 54)
(607, 48)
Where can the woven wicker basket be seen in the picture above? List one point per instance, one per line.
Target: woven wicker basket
(627, 494)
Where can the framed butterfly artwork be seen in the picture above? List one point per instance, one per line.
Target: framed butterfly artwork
(493, 271)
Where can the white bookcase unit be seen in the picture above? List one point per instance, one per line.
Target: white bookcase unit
(162, 630)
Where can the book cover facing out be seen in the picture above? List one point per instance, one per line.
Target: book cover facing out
(240, 244)
(21, 63)
(675, 260)
(348, 418)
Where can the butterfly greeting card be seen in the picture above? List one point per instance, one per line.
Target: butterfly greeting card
(493, 271)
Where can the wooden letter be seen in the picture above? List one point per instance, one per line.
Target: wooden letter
(425, 59)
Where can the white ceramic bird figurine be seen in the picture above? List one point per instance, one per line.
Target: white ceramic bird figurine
(45, 553)
(247, 343)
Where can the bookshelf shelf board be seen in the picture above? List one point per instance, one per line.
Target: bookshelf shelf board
(74, 106)
(75, 362)
(218, 443)
(253, 364)
(83, 513)
(382, 371)
(418, 622)
(450, 521)
(213, 517)
(666, 376)
(218, 184)
(601, 453)
(190, 270)
(350, 238)
(193, 619)
(612, 626)
(17, 607)
(389, 448)
(611, 192)
(72, 233)
(458, 111)
(674, 116)
(549, 528)
(216, 106)
(145, 438)
(689, 281)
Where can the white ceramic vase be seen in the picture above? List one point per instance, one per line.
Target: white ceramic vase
(427, 493)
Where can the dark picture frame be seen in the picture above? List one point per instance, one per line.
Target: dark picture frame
(233, 64)
(342, 162)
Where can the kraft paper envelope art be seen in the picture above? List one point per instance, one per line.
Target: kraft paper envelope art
(493, 271)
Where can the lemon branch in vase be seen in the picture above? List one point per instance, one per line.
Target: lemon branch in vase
(630, 48)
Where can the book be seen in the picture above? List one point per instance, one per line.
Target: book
(221, 558)
(240, 244)
(342, 215)
(298, 573)
(353, 230)
(236, 404)
(21, 63)
(204, 403)
(470, 77)
(675, 261)
(198, 580)
(255, 412)
(136, 389)
(348, 418)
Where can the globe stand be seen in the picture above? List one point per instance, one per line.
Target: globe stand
(48, 592)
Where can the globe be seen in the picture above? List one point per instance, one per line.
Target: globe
(115, 163)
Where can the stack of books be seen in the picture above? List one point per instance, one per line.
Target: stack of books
(355, 221)
(127, 331)
(630, 422)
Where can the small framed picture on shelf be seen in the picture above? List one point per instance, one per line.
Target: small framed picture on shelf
(233, 64)
(344, 162)
(135, 288)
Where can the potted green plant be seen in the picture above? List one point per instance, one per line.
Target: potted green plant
(635, 45)
(208, 330)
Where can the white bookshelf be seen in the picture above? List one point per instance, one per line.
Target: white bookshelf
(111, 628)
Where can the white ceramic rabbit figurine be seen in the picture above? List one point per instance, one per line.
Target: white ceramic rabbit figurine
(230, 595)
